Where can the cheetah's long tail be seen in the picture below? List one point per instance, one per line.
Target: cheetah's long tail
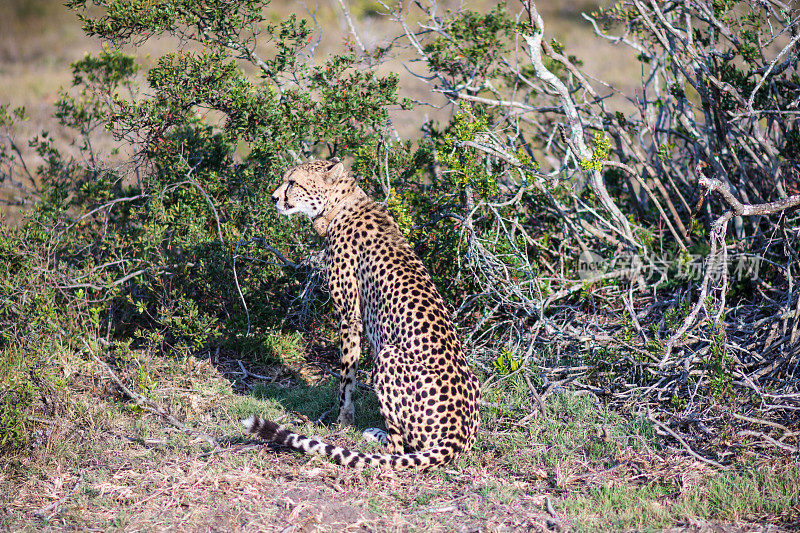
(269, 430)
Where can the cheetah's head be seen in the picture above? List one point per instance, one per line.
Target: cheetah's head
(313, 187)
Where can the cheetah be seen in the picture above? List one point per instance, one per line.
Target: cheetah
(428, 395)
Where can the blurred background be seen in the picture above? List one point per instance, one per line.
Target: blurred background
(39, 39)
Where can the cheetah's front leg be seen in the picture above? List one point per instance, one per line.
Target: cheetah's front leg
(350, 338)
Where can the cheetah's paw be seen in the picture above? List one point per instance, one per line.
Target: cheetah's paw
(375, 435)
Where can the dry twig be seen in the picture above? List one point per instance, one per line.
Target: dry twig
(147, 404)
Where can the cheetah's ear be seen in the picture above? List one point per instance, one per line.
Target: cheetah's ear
(336, 173)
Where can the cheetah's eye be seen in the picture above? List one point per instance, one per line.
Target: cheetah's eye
(290, 183)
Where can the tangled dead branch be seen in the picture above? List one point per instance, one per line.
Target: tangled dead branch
(661, 313)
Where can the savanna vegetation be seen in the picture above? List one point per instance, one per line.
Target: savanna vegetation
(621, 261)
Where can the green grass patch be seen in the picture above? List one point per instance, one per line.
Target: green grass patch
(575, 427)
(281, 347)
(314, 400)
(619, 507)
(758, 495)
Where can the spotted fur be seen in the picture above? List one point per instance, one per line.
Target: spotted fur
(428, 395)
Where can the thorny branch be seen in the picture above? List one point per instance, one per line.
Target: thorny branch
(576, 140)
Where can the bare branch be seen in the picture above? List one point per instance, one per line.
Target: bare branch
(714, 185)
(147, 404)
(353, 31)
(573, 119)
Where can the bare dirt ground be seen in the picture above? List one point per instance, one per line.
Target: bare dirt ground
(260, 489)
(274, 493)
(264, 490)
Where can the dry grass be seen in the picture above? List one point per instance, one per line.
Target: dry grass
(269, 493)
(105, 465)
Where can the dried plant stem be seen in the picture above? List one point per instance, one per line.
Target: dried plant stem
(149, 405)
